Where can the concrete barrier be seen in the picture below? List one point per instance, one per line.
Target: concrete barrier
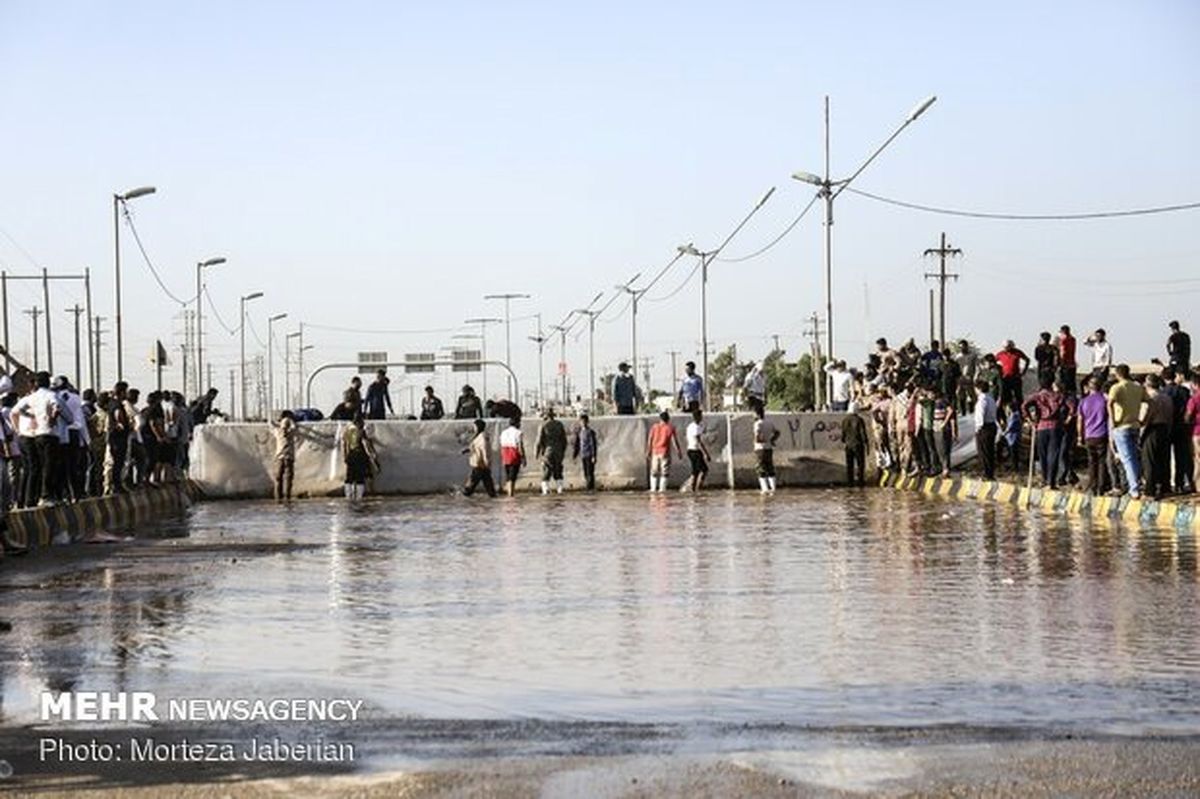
(1179, 516)
(236, 459)
(35, 528)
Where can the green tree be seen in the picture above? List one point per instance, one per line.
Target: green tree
(789, 384)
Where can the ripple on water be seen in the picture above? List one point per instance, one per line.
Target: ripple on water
(816, 608)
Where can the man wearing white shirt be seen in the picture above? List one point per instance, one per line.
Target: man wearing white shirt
(985, 428)
(75, 447)
(41, 407)
(755, 385)
(839, 399)
(1102, 355)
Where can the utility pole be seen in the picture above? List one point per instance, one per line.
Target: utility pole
(814, 332)
(931, 319)
(97, 332)
(942, 276)
(77, 310)
(34, 313)
(674, 370)
(647, 364)
(775, 338)
(540, 339)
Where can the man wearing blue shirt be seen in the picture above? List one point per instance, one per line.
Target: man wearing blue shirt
(691, 390)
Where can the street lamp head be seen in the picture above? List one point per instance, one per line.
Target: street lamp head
(211, 262)
(253, 296)
(808, 177)
(141, 191)
(294, 334)
(277, 317)
(922, 108)
(688, 249)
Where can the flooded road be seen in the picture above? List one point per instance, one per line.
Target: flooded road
(815, 609)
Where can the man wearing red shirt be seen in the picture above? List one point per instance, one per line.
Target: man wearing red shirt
(1066, 358)
(1013, 365)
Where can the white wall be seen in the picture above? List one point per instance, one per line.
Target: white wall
(235, 459)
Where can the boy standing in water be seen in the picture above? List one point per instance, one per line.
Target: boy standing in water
(765, 436)
(356, 451)
(658, 451)
(512, 454)
(285, 455)
(584, 449)
(697, 453)
(480, 461)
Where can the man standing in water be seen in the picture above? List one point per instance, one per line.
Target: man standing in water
(512, 453)
(585, 449)
(480, 461)
(552, 449)
(698, 455)
(765, 436)
(658, 451)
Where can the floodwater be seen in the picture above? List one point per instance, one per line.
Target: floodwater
(824, 609)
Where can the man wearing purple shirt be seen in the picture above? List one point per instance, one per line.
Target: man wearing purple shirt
(1093, 435)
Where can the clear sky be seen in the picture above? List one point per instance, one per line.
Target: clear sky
(385, 165)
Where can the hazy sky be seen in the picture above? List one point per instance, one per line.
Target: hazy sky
(383, 166)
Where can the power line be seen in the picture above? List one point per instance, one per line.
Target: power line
(338, 329)
(778, 238)
(1161, 209)
(250, 324)
(146, 258)
(217, 314)
(678, 288)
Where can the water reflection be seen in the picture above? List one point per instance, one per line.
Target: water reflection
(820, 607)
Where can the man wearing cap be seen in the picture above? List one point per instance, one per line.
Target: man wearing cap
(626, 394)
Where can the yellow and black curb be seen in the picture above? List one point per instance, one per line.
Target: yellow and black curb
(1177, 515)
(34, 528)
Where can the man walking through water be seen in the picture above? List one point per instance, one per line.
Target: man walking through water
(480, 461)
(512, 453)
(659, 442)
(552, 449)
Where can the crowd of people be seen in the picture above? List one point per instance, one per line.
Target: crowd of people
(60, 444)
(1137, 433)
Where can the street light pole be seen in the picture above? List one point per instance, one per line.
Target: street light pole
(200, 266)
(829, 189)
(271, 320)
(707, 258)
(507, 330)
(120, 201)
(242, 362)
(288, 399)
(540, 340)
